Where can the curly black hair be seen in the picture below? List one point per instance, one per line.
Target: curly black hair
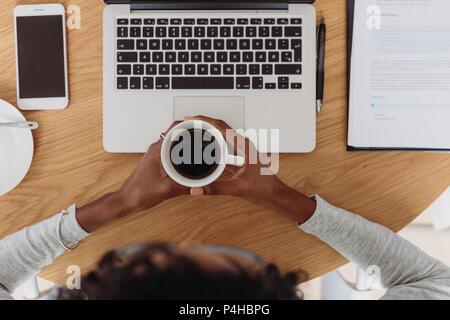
(160, 274)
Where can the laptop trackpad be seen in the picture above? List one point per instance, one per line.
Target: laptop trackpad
(229, 109)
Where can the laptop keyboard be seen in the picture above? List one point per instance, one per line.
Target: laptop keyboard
(218, 53)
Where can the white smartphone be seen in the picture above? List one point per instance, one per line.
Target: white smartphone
(41, 57)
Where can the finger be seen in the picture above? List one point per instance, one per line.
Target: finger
(172, 126)
(216, 188)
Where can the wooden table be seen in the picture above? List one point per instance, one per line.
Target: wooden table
(70, 166)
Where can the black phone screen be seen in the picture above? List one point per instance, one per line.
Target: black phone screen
(40, 56)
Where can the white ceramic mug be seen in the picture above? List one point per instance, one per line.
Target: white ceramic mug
(223, 158)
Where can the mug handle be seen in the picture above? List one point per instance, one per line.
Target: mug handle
(237, 161)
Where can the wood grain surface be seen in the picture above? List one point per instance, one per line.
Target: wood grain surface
(70, 166)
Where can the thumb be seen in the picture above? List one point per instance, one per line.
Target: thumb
(216, 188)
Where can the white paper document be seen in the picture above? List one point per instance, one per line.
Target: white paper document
(400, 75)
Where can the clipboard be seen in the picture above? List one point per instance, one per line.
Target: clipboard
(350, 20)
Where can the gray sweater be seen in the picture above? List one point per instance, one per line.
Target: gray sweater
(406, 271)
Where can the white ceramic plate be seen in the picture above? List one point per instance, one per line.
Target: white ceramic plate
(16, 149)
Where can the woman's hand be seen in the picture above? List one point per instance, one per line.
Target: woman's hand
(249, 182)
(148, 186)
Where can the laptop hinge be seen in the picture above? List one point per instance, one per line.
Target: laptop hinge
(208, 5)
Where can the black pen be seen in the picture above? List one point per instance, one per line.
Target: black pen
(321, 37)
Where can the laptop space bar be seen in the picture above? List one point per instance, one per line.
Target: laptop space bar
(202, 83)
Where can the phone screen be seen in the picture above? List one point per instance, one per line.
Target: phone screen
(40, 54)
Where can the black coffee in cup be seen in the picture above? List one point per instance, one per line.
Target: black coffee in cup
(194, 154)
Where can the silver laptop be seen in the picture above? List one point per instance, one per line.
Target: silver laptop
(250, 63)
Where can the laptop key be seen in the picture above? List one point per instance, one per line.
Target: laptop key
(242, 21)
(274, 56)
(171, 56)
(157, 57)
(141, 44)
(193, 44)
(175, 21)
(161, 32)
(122, 21)
(174, 32)
(286, 56)
(177, 69)
(147, 83)
(135, 32)
(267, 69)
(135, 83)
(189, 21)
(257, 44)
(241, 69)
(196, 56)
(149, 21)
(235, 56)
(144, 57)
(229, 21)
(296, 85)
(167, 44)
(228, 69)
(163, 21)
(206, 44)
(260, 56)
(216, 21)
(296, 45)
(247, 56)
(189, 69)
(150, 69)
(122, 32)
(269, 21)
(270, 85)
(127, 57)
(242, 82)
(264, 31)
(186, 32)
(154, 44)
(250, 32)
(180, 44)
(183, 56)
(215, 69)
(202, 69)
(244, 44)
(163, 69)
(283, 44)
(136, 21)
(125, 44)
(277, 31)
(292, 69)
(123, 69)
(253, 69)
(225, 32)
(147, 32)
(282, 21)
(222, 56)
(162, 83)
(238, 32)
(202, 83)
(122, 83)
(219, 44)
(208, 56)
(296, 21)
(202, 21)
(255, 21)
(257, 82)
(199, 32)
(138, 69)
(231, 44)
(212, 32)
(293, 31)
(271, 44)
